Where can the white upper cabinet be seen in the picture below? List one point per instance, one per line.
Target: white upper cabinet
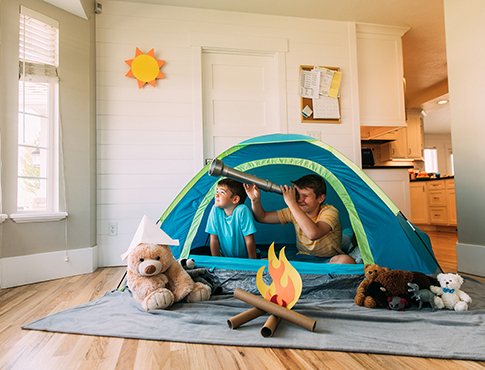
(380, 68)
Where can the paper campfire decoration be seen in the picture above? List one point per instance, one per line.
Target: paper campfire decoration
(279, 297)
(145, 68)
(286, 287)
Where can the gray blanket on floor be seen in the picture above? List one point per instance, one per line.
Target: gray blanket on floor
(341, 325)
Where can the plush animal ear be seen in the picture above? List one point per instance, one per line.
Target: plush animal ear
(389, 299)
(460, 279)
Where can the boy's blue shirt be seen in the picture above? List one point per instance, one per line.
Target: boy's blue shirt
(231, 230)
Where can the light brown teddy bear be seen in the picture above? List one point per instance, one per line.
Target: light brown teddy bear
(157, 280)
(371, 273)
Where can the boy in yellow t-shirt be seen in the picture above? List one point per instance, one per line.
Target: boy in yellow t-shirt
(318, 228)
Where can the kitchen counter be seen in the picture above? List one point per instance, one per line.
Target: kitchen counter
(432, 179)
(386, 167)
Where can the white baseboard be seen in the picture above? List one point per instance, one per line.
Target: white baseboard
(35, 268)
(110, 255)
(470, 259)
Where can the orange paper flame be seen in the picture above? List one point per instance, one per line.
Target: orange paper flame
(286, 287)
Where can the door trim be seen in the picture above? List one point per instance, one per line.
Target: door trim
(206, 43)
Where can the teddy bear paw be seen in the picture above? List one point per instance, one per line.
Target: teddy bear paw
(201, 292)
(438, 302)
(359, 299)
(158, 300)
(369, 302)
(461, 306)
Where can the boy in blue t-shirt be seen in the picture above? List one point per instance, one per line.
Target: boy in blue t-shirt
(230, 224)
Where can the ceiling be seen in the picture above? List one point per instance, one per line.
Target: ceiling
(424, 45)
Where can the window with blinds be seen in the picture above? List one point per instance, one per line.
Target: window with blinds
(37, 188)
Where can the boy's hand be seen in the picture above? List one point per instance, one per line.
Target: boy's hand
(252, 191)
(289, 195)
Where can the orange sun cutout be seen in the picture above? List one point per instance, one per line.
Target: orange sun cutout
(145, 68)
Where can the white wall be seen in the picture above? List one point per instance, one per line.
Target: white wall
(147, 138)
(465, 31)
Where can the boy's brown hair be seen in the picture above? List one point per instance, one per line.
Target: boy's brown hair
(314, 182)
(235, 187)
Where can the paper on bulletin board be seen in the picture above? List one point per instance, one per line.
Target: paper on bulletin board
(326, 108)
(329, 82)
(309, 84)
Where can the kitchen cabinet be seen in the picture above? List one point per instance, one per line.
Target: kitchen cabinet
(433, 202)
(408, 142)
(415, 135)
(451, 201)
(396, 149)
(437, 203)
(380, 75)
(419, 203)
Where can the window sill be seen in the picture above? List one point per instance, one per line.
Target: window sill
(22, 218)
(3, 217)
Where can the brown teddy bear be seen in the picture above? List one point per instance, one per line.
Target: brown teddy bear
(371, 271)
(395, 283)
(157, 280)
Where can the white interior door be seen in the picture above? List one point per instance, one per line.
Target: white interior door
(240, 99)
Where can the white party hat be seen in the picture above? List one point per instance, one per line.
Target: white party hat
(148, 232)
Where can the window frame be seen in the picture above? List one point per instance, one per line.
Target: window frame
(52, 210)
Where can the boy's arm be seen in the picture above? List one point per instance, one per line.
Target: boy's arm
(251, 246)
(312, 230)
(215, 249)
(259, 213)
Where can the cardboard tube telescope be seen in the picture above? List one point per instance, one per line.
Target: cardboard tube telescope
(218, 168)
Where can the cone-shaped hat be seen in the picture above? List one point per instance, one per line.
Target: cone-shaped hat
(148, 232)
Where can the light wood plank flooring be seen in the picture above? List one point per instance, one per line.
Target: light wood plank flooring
(24, 350)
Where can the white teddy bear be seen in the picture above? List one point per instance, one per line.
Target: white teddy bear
(449, 294)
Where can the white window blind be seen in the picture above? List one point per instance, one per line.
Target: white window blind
(38, 47)
(38, 132)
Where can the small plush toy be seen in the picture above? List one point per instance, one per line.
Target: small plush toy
(371, 271)
(200, 275)
(449, 294)
(154, 276)
(397, 303)
(422, 296)
(187, 263)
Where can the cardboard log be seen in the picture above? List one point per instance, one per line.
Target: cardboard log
(273, 308)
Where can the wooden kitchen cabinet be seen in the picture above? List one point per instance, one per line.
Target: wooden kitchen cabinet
(433, 202)
(415, 135)
(419, 203)
(396, 149)
(408, 142)
(451, 201)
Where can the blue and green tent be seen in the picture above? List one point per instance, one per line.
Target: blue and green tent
(383, 233)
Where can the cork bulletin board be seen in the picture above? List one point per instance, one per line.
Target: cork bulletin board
(325, 109)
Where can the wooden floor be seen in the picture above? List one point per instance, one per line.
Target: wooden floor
(23, 349)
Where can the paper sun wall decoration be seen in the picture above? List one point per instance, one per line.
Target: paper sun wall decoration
(145, 68)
